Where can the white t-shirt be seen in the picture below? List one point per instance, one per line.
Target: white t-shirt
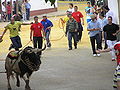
(3, 8)
(71, 10)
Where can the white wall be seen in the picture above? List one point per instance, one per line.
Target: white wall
(40, 4)
(113, 5)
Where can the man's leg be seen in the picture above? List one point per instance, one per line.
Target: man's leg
(19, 42)
(47, 39)
(35, 42)
(98, 41)
(40, 43)
(92, 40)
(75, 40)
(70, 40)
(100, 38)
(80, 29)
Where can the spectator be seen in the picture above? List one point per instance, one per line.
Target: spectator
(94, 30)
(28, 6)
(47, 24)
(111, 30)
(71, 31)
(116, 84)
(3, 11)
(89, 12)
(14, 7)
(78, 16)
(23, 11)
(36, 34)
(103, 21)
(71, 9)
(9, 11)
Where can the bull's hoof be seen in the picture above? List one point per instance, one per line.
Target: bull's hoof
(28, 88)
(9, 89)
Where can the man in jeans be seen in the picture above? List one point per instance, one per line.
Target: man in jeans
(13, 27)
(94, 30)
(78, 16)
(71, 31)
(28, 6)
(47, 28)
(36, 34)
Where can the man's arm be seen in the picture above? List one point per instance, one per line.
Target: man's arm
(31, 34)
(82, 21)
(27, 23)
(3, 33)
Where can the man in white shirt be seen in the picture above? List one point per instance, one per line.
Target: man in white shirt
(71, 9)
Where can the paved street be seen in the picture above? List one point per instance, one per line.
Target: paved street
(62, 69)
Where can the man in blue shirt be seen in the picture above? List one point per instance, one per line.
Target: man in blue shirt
(47, 28)
(28, 6)
(94, 30)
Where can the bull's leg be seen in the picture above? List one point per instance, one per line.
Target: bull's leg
(8, 79)
(26, 79)
(18, 81)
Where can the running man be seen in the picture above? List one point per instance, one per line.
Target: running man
(13, 27)
(36, 34)
(47, 28)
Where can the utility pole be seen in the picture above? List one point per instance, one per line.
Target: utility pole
(17, 7)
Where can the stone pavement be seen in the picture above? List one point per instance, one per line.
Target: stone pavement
(69, 70)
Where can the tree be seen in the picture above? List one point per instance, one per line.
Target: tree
(51, 1)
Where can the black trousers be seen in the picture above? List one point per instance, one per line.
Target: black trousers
(94, 39)
(37, 42)
(80, 29)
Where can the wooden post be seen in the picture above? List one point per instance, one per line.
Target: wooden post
(1, 10)
(6, 10)
(11, 7)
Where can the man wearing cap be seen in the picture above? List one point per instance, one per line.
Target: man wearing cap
(36, 34)
(94, 30)
(13, 27)
(47, 28)
(71, 31)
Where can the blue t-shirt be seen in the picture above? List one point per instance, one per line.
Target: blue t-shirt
(46, 23)
(92, 25)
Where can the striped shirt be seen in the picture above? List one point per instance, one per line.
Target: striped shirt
(116, 77)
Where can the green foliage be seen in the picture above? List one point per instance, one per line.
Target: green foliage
(52, 1)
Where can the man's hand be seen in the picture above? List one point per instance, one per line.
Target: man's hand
(82, 23)
(75, 30)
(30, 38)
(114, 34)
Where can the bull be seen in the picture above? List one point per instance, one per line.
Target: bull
(22, 65)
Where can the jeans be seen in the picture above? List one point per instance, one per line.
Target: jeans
(79, 34)
(28, 14)
(16, 42)
(93, 39)
(47, 35)
(24, 16)
(9, 17)
(101, 36)
(70, 36)
(37, 42)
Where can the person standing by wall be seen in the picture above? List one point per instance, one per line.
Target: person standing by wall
(28, 7)
(9, 11)
(3, 11)
(111, 30)
(23, 11)
(36, 34)
(78, 16)
(94, 30)
(71, 31)
(71, 9)
(47, 24)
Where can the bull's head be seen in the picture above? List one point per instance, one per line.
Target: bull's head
(31, 55)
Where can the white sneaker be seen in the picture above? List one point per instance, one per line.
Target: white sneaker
(98, 55)
(94, 55)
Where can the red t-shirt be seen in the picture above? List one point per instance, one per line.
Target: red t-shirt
(8, 9)
(37, 28)
(77, 16)
(117, 49)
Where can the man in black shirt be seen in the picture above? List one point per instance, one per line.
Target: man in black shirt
(111, 30)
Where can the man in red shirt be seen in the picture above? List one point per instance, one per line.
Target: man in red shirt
(36, 34)
(78, 16)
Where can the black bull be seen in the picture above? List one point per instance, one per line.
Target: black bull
(27, 61)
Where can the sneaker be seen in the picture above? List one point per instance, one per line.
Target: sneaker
(98, 55)
(70, 48)
(11, 46)
(94, 55)
(75, 47)
(113, 59)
